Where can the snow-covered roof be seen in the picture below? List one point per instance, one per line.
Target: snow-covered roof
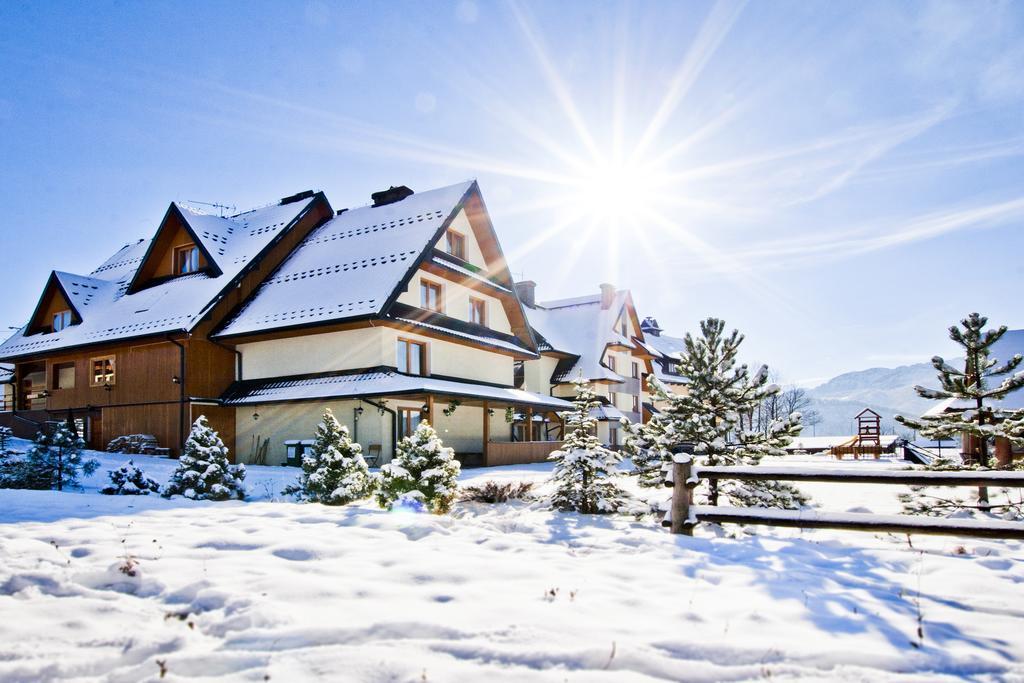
(376, 382)
(177, 304)
(665, 349)
(350, 266)
(582, 328)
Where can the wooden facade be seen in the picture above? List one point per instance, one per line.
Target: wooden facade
(161, 383)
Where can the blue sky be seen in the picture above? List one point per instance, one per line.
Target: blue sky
(841, 181)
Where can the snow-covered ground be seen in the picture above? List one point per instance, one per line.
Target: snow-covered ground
(274, 590)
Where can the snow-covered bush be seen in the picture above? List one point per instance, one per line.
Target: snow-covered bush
(5, 438)
(203, 471)
(129, 480)
(496, 491)
(53, 462)
(585, 472)
(333, 471)
(424, 471)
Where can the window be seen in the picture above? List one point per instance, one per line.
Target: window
(613, 398)
(430, 296)
(621, 324)
(409, 420)
(636, 404)
(61, 320)
(518, 374)
(636, 370)
(613, 435)
(455, 244)
(611, 363)
(478, 311)
(412, 357)
(101, 371)
(64, 376)
(186, 259)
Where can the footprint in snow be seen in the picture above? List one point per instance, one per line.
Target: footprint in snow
(294, 554)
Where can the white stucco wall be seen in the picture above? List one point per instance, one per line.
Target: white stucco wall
(456, 301)
(350, 349)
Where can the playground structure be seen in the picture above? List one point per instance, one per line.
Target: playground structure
(867, 442)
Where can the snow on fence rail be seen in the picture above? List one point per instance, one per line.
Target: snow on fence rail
(684, 515)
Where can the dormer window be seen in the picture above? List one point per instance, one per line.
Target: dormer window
(186, 259)
(455, 244)
(61, 319)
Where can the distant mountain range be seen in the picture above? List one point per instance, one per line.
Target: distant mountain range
(887, 391)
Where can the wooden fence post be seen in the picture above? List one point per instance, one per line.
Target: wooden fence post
(681, 469)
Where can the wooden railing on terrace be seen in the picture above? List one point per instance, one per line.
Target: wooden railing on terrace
(684, 515)
(519, 452)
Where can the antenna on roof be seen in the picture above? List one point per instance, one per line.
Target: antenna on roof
(220, 207)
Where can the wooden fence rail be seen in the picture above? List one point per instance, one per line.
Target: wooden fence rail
(684, 515)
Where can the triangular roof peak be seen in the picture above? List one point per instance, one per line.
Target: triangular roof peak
(868, 411)
(54, 298)
(177, 229)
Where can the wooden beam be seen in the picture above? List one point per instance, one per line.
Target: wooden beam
(529, 423)
(430, 410)
(487, 429)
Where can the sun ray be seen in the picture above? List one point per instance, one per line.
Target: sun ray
(713, 31)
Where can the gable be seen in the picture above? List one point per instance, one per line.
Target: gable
(53, 300)
(174, 233)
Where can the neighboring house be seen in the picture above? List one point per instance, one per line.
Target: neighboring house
(665, 353)
(126, 348)
(387, 314)
(597, 338)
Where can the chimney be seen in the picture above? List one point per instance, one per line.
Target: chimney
(527, 293)
(607, 295)
(391, 195)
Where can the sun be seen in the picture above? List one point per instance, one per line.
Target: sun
(614, 193)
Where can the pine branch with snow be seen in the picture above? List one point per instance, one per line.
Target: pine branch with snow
(707, 417)
(585, 474)
(129, 480)
(333, 471)
(203, 471)
(424, 472)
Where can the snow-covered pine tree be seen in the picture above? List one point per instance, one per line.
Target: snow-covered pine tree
(129, 480)
(203, 471)
(333, 471)
(708, 417)
(53, 462)
(973, 418)
(424, 470)
(585, 472)
(974, 387)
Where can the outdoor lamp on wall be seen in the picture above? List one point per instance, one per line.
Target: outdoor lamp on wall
(255, 415)
(359, 412)
(175, 380)
(425, 408)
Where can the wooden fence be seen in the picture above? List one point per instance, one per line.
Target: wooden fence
(519, 452)
(684, 515)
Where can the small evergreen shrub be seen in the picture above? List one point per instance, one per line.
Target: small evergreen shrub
(203, 470)
(424, 472)
(333, 471)
(53, 462)
(585, 472)
(5, 438)
(129, 480)
(496, 492)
